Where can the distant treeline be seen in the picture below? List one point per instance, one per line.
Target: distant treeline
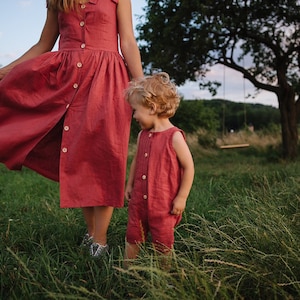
(225, 115)
(221, 115)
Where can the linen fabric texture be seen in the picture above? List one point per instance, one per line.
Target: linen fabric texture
(63, 113)
(156, 184)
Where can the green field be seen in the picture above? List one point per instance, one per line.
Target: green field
(239, 238)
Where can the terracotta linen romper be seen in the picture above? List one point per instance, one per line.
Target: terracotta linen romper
(156, 183)
(63, 114)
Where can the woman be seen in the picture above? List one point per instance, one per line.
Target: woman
(63, 113)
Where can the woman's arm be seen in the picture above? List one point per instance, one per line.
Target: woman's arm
(130, 180)
(129, 185)
(128, 43)
(46, 42)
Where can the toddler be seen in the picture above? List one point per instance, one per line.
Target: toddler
(162, 170)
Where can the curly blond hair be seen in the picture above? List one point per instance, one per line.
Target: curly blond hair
(155, 89)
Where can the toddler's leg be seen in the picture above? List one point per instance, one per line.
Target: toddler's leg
(164, 256)
(131, 252)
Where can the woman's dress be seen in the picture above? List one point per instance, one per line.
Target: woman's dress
(63, 113)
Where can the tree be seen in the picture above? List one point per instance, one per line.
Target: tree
(192, 115)
(185, 38)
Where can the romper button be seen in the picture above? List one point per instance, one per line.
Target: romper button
(81, 23)
(144, 177)
(67, 106)
(75, 85)
(66, 128)
(83, 6)
(145, 197)
(64, 150)
(150, 134)
(146, 154)
(82, 46)
(79, 64)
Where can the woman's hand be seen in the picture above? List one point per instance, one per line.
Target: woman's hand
(128, 191)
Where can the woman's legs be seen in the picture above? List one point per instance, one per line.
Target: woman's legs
(89, 217)
(97, 220)
(102, 217)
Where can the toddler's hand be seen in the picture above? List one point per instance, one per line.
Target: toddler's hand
(178, 206)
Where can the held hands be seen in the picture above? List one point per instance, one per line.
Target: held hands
(128, 190)
(178, 206)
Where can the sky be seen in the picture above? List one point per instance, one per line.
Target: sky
(21, 22)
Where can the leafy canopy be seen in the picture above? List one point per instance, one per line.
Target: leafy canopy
(259, 38)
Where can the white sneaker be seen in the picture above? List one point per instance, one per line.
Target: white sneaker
(97, 250)
(87, 241)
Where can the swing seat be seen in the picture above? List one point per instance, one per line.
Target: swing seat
(234, 146)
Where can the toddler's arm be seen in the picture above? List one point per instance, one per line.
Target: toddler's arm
(185, 158)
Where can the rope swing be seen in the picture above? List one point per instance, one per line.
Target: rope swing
(232, 146)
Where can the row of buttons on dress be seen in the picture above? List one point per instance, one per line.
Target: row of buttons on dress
(82, 46)
(65, 149)
(144, 177)
(79, 65)
(82, 24)
(75, 85)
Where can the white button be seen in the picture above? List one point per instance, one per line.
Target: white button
(79, 64)
(146, 154)
(81, 23)
(83, 6)
(144, 177)
(145, 197)
(150, 134)
(67, 106)
(82, 46)
(66, 128)
(75, 85)
(64, 150)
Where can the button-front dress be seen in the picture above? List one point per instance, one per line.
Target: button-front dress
(63, 113)
(157, 180)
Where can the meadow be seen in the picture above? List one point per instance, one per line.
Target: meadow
(239, 237)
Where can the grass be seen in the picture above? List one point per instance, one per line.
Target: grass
(239, 238)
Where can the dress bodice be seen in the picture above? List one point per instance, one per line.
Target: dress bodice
(91, 27)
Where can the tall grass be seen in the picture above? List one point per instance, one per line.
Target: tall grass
(239, 238)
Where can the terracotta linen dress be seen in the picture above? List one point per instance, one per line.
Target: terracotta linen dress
(156, 183)
(63, 114)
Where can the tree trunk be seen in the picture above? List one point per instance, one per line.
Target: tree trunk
(289, 129)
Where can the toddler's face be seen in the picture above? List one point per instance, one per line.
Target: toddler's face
(143, 115)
